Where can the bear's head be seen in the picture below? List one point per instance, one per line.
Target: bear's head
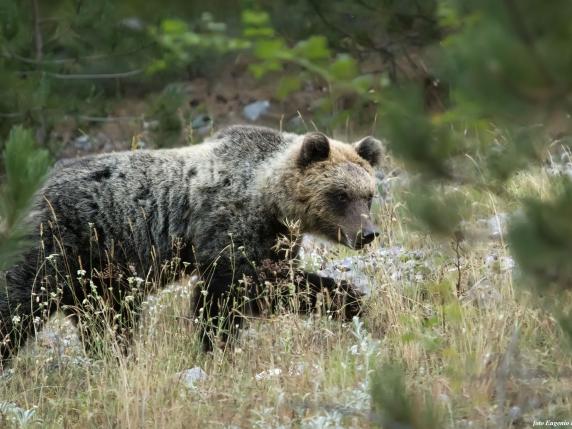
(335, 186)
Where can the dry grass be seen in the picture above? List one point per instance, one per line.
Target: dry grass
(489, 358)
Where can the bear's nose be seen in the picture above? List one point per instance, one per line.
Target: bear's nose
(368, 235)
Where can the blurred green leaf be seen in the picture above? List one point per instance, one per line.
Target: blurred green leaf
(288, 85)
(363, 83)
(255, 17)
(174, 26)
(259, 70)
(437, 212)
(315, 48)
(270, 49)
(261, 32)
(343, 68)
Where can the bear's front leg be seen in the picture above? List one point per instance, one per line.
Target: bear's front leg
(219, 305)
(342, 299)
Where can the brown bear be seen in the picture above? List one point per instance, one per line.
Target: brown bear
(114, 225)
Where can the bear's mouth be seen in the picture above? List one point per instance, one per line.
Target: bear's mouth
(364, 236)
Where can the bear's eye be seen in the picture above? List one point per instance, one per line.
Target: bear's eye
(342, 197)
(338, 199)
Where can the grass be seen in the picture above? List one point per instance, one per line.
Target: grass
(486, 357)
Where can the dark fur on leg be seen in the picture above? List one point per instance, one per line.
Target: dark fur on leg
(219, 308)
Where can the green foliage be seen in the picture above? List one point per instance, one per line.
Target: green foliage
(25, 168)
(394, 406)
(508, 62)
(541, 238)
(496, 74)
(63, 58)
(92, 53)
(438, 212)
(167, 109)
(197, 46)
(510, 81)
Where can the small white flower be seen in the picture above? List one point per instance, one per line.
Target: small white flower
(81, 273)
(16, 320)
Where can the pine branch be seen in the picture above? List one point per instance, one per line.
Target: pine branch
(37, 31)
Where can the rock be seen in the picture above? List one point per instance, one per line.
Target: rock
(443, 398)
(296, 123)
(499, 263)
(396, 263)
(201, 121)
(133, 23)
(83, 143)
(255, 110)
(297, 369)
(202, 125)
(350, 269)
(494, 227)
(151, 125)
(268, 374)
(6, 374)
(497, 225)
(192, 376)
(482, 294)
(301, 367)
(514, 413)
(52, 340)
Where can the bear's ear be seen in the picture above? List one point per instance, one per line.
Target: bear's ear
(315, 147)
(370, 149)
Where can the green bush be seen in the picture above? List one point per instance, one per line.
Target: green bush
(25, 167)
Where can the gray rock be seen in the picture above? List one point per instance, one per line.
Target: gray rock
(151, 125)
(201, 121)
(482, 294)
(395, 262)
(83, 143)
(296, 123)
(255, 110)
(499, 263)
(268, 374)
(514, 413)
(6, 374)
(192, 376)
(202, 125)
(133, 23)
(497, 225)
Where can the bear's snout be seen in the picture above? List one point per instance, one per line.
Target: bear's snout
(367, 235)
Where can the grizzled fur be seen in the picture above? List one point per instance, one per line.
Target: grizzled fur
(219, 206)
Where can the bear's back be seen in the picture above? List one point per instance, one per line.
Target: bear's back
(251, 143)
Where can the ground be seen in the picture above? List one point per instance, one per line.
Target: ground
(457, 319)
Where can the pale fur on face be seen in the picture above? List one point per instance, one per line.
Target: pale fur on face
(308, 193)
